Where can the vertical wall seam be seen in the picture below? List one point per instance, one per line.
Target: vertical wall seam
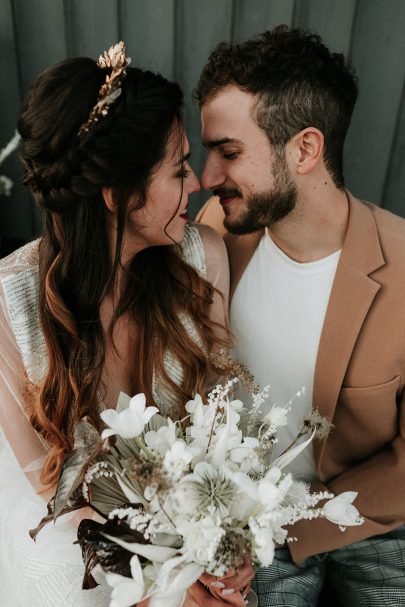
(67, 28)
(234, 8)
(175, 29)
(394, 142)
(17, 50)
(355, 21)
(29, 200)
(119, 20)
(296, 13)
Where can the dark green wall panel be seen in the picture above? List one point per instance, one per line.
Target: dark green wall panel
(378, 53)
(91, 26)
(251, 18)
(175, 37)
(148, 28)
(333, 19)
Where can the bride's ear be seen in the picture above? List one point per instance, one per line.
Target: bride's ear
(109, 199)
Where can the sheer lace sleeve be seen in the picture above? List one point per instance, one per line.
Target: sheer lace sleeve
(15, 390)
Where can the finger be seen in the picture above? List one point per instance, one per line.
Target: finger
(245, 591)
(198, 596)
(207, 579)
(241, 578)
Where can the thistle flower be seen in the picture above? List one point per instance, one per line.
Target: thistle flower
(321, 425)
(212, 489)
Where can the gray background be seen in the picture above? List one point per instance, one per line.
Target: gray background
(175, 37)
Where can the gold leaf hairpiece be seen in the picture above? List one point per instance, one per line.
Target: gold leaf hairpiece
(115, 59)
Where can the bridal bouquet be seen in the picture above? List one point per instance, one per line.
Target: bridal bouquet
(179, 498)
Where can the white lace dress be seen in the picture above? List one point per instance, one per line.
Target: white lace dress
(49, 572)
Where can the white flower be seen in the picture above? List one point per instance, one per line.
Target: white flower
(175, 576)
(297, 494)
(201, 539)
(339, 510)
(162, 440)
(177, 459)
(277, 416)
(194, 404)
(263, 545)
(211, 487)
(227, 437)
(246, 455)
(242, 506)
(127, 591)
(130, 422)
(202, 419)
(184, 497)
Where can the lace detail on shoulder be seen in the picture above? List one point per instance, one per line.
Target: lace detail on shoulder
(21, 298)
(192, 251)
(25, 257)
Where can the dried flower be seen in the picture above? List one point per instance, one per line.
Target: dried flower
(231, 553)
(321, 425)
(224, 362)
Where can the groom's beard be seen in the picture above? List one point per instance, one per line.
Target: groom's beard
(263, 208)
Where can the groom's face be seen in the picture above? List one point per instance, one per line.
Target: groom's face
(252, 180)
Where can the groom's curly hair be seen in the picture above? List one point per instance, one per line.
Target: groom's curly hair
(298, 83)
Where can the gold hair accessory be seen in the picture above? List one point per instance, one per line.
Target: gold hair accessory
(115, 59)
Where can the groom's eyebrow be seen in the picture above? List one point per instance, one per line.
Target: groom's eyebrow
(217, 142)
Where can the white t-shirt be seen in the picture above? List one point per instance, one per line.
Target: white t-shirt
(277, 315)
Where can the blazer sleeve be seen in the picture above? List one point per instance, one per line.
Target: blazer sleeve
(380, 482)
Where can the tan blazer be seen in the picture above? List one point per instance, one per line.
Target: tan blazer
(359, 375)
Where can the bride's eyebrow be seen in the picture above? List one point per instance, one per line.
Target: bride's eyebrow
(183, 159)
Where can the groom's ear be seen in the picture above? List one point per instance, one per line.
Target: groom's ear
(307, 148)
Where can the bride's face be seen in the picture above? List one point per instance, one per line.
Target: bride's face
(163, 217)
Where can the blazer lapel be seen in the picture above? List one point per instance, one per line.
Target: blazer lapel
(352, 294)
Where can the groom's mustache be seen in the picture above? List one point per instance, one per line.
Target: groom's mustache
(227, 193)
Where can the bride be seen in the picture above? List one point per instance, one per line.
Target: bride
(121, 293)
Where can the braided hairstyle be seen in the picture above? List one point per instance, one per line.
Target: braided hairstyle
(66, 174)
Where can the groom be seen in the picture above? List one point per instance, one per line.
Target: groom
(318, 284)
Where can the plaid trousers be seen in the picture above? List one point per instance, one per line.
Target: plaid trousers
(370, 573)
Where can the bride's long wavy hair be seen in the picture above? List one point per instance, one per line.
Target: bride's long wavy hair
(66, 174)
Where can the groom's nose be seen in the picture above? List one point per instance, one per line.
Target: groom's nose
(212, 175)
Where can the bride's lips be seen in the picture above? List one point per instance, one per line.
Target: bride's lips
(184, 215)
